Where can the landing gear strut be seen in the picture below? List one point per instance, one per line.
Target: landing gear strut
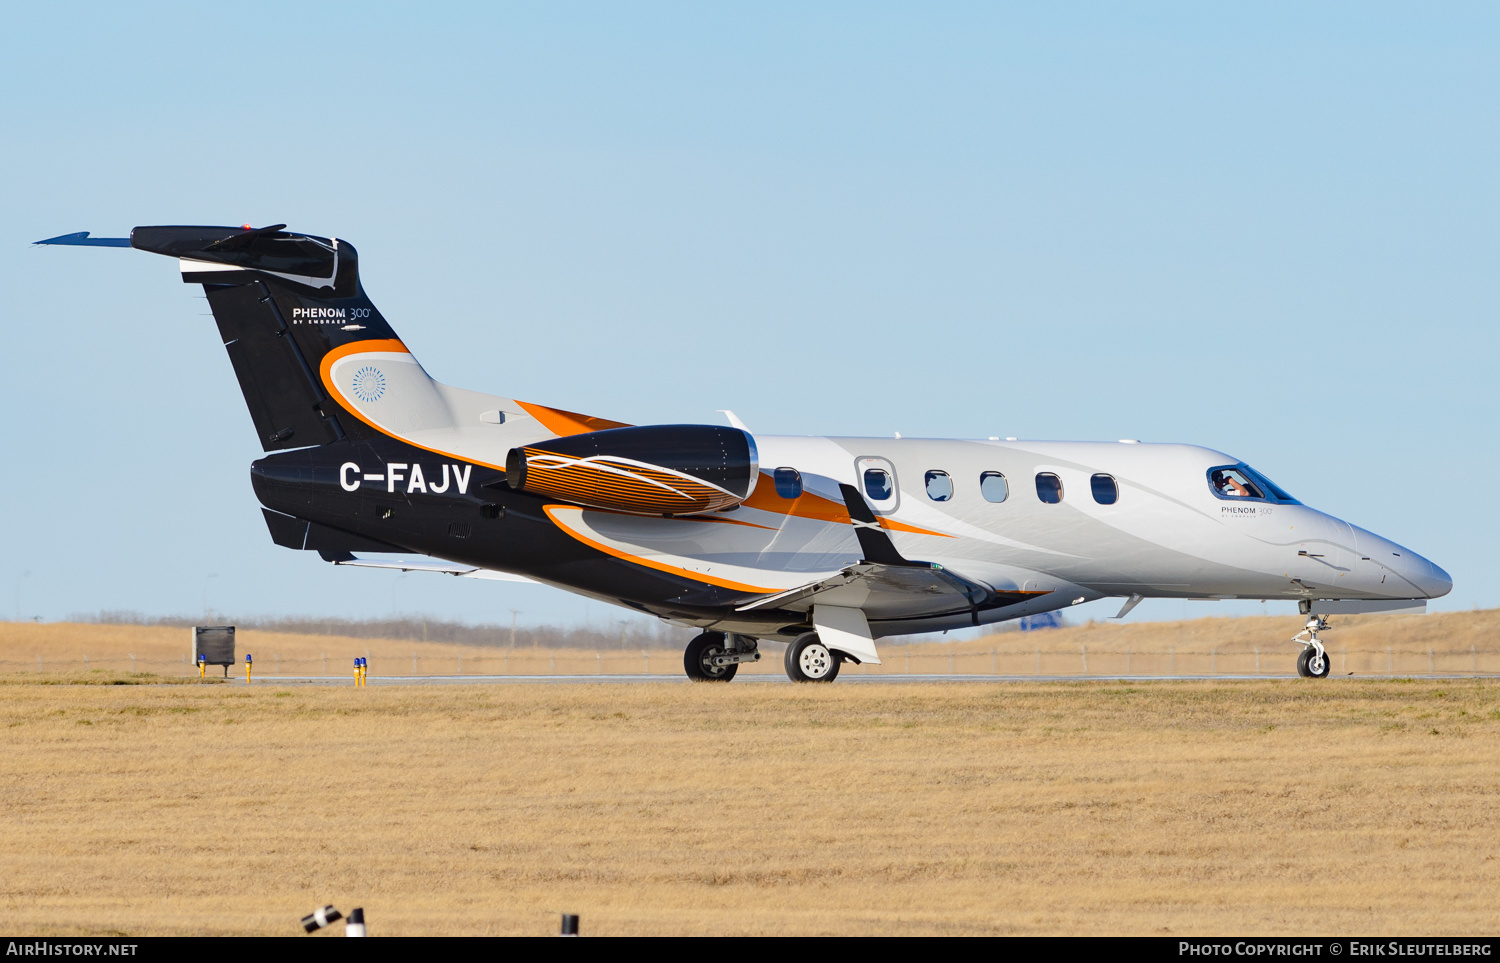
(1313, 661)
(716, 656)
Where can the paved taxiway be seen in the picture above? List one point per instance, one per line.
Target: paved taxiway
(850, 678)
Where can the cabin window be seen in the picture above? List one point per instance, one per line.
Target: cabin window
(1048, 487)
(1106, 490)
(939, 486)
(788, 482)
(993, 486)
(878, 484)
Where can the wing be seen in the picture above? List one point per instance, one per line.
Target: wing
(884, 585)
(883, 591)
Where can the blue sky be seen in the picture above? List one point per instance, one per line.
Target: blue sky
(1270, 229)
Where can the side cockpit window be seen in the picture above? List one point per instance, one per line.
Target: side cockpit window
(1234, 482)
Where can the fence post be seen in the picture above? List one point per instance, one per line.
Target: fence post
(276, 657)
(599, 662)
(460, 665)
(1174, 660)
(1257, 660)
(132, 662)
(1214, 662)
(908, 661)
(554, 663)
(645, 662)
(413, 663)
(1127, 660)
(86, 662)
(507, 663)
(1085, 650)
(325, 663)
(1390, 659)
(950, 662)
(1039, 660)
(39, 662)
(1475, 655)
(994, 670)
(1430, 670)
(1344, 660)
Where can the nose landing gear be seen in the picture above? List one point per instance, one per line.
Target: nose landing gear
(1313, 661)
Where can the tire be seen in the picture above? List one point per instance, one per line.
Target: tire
(699, 651)
(1305, 664)
(809, 660)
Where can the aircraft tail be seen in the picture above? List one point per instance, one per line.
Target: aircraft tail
(284, 302)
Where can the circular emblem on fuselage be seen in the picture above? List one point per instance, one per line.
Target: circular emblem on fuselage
(369, 384)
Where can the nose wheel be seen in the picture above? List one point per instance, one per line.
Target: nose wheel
(1313, 661)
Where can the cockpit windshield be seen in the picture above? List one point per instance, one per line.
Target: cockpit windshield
(1242, 481)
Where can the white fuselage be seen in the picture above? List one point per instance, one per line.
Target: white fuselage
(1168, 534)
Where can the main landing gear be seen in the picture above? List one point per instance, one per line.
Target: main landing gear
(809, 660)
(1313, 661)
(716, 656)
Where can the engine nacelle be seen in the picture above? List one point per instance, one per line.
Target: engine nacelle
(649, 470)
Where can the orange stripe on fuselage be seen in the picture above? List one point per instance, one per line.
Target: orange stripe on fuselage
(808, 505)
(896, 526)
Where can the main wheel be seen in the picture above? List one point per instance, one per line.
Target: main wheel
(809, 660)
(695, 660)
(1311, 665)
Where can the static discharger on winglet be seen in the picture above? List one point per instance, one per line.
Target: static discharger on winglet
(826, 544)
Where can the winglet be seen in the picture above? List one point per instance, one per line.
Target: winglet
(874, 543)
(733, 419)
(82, 239)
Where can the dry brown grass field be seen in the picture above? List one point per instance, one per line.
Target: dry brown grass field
(1449, 642)
(1180, 807)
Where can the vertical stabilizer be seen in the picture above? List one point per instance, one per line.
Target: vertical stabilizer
(283, 303)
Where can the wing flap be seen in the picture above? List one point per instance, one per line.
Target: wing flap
(883, 592)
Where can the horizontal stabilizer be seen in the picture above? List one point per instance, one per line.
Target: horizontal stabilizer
(82, 239)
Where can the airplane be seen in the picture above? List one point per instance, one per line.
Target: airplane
(825, 544)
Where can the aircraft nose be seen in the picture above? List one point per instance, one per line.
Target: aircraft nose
(1414, 570)
(1435, 582)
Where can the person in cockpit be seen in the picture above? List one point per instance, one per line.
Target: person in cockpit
(1228, 486)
